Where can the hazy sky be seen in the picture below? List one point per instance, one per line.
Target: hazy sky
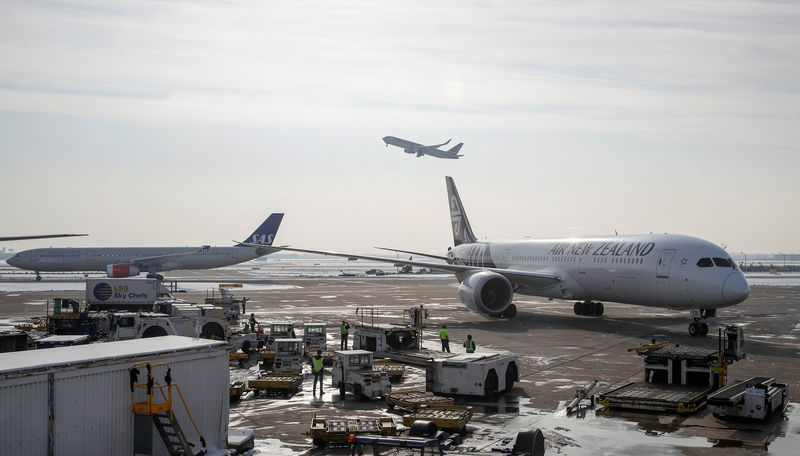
(174, 123)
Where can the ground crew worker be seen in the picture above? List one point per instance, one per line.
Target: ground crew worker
(253, 322)
(470, 344)
(344, 331)
(290, 332)
(445, 339)
(319, 371)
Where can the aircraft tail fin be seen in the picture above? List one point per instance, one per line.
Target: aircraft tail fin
(456, 149)
(462, 231)
(265, 233)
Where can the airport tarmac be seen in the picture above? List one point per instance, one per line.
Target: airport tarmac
(558, 352)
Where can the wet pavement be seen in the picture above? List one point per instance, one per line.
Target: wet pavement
(558, 352)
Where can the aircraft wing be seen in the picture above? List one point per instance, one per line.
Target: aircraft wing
(38, 236)
(534, 279)
(436, 146)
(438, 257)
(156, 260)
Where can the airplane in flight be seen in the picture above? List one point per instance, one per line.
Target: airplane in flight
(38, 236)
(419, 149)
(655, 270)
(130, 261)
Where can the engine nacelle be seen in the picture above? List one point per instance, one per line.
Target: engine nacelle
(121, 270)
(486, 292)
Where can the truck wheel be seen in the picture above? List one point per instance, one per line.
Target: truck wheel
(154, 331)
(490, 385)
(318, 442)
(341, 390)
(422, 428)
(511, 376)
(246, 347)
(530, 443)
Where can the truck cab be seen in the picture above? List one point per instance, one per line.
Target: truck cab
(277, 331)
(314, 337)
(288, 356)
(352, 371)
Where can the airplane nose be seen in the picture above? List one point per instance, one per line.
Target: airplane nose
(735, 289)
(12, 261)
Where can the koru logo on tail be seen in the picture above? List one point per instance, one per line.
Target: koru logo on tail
(262, 238)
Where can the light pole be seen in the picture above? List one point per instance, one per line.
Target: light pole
(745, 258)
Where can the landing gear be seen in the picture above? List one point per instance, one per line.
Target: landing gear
(38, 277)
(698, 328)
(588, 308)
(511, 312)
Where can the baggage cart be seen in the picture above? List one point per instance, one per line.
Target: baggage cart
(393, 370)
(450, 417)
(337, 431)
(413, 400)
(271, 384)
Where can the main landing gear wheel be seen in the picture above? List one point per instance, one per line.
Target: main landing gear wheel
(38, 277)
(698, 329)
(588, 308)
(511, 312)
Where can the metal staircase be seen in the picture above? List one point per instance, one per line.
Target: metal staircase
(162, 413)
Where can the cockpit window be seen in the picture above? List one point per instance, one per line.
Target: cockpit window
(705, 262)
(722, 262)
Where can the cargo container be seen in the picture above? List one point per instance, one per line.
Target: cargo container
(77, 400)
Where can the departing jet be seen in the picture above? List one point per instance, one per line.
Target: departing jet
(38, 236)
(130, 261)
(414, 148)
(657, 270)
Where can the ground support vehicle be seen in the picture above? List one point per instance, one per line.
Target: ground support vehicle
(337, 431)
(472, 374)
(314, 337)
(450, 417)
(425, 439)
(384, 339)
(237, 389)
(234, 307)
(394, 370)
(123, 294)
(352, 371)
(247, 342)
(288, 356)
(272, 384)
(678, 378)
(756, 398)
(412, 400)
(277, 331)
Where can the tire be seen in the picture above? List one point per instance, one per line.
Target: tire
(154, 331)
(212, 330)
(694, 329)
(422, 428)
(490, 385)
(598, 308)
(246, 347)
(319, 443)
(703, 329)
(511, 312)
(511, 376)
(530, 443)
(577, 308)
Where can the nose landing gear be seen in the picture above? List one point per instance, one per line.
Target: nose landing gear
(698, 328)
(588, 308)
(38, 277)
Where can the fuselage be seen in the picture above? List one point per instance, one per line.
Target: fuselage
(410, 147)
(98, 258)
(660, 270)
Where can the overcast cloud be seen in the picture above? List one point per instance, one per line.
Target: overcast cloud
(172, 123)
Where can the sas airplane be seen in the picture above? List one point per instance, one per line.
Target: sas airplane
(655, 270)
(414, 148)
(130, 261)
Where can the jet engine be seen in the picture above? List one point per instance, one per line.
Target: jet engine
(121, 270)
(488, 293)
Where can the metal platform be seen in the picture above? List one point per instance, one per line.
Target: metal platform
(684, 352)
(655, 397)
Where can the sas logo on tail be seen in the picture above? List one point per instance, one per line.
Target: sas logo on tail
(263, 238)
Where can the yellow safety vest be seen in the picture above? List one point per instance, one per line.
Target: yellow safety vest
(443, 333)
(343, 329)
(290, 334)
(470, 346)
(317, 364)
